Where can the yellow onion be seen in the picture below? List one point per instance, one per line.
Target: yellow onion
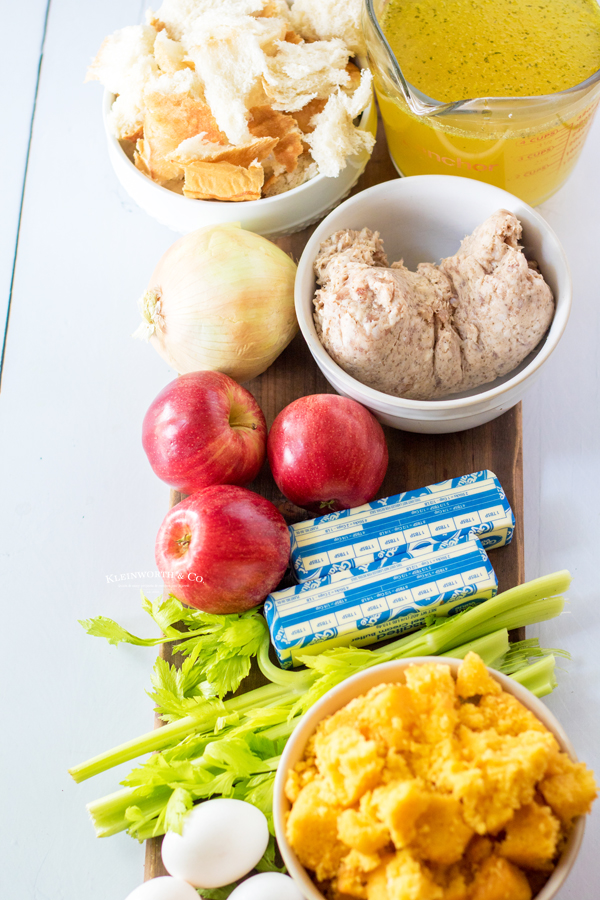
(223, 299)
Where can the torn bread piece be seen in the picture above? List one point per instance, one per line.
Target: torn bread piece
(124, 64)
(325, 19)
(223, 181)
(175, 110)
(266, 122)
(274, 9)
(281, 181)
(292, 38)
(335, 138)
(180, 16)
(305, 115)
(229, 57)
(198, 149)
(353, 79)
(170, 55)
(298, 73)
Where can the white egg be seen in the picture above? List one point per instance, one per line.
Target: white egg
(267, 886)
(164, 888)
(222, 841)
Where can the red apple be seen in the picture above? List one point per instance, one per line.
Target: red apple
(202, 429)
(327, 452)
(223, 549)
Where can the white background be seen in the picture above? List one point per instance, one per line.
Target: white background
(79, 502)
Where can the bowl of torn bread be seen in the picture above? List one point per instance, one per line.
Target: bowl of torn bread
(435, 301)
(216, 116)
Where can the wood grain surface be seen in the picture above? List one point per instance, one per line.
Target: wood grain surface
(415, 459)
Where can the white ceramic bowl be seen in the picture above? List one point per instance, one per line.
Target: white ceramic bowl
(422, 219)
(270, 216)
(361, 683)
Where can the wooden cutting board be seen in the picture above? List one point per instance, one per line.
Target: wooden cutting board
(415, 459)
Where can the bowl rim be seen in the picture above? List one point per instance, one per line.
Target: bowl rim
(387, 673)
(374, 398)
(109, 98)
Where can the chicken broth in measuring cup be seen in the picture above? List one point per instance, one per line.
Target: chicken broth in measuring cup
(536, 66)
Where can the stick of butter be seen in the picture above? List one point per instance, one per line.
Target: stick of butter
(471, 505)
(382, 599)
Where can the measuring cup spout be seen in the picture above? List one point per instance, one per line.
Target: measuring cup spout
(382, 60)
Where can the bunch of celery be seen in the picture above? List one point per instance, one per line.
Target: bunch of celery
(231, 747)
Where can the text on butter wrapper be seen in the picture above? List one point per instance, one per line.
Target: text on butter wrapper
(383, 599)
(470, 505)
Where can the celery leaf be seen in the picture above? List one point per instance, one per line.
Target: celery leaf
(268, 862)
(221, 893)
(115, 633)
(180, 802)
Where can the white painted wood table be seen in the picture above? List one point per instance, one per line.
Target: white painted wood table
(80, 506)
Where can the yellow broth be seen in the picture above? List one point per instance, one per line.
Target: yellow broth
(458, 49)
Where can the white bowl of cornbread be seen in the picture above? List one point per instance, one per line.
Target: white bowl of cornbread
(431, 773)
(378, 351)
(272, 217)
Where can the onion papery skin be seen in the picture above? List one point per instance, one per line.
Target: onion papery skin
(226, 302)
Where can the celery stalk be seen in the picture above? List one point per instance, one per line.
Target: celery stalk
(490, 647)
(528, 614)
(276, 675)
(522, 605)
(538, 677)
(168, 735)
(108, 813)
(476, 621)
(146, 743)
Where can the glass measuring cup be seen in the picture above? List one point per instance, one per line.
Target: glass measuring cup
(525, 145)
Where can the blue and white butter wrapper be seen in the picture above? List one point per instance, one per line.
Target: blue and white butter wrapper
(471, 505)
(379, 600)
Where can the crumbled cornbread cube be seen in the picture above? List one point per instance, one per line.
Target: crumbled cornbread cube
(502, 776)
(399, 805)
(503, 712)
(353, 872)
(569, 788)
(396, 767)
(441, 833)
(531, 837)
(297, 778)
(457, 888)
(453, 879)
(498, 879)
(292, 785)
(390, 716)
(403, 878)
(377, 881)
(349, 716)
(478, 850)
(434, 699)
(473, 678)
(312, 830)
(349, 762)
(362, 832)
(438, 763)
(416, 792)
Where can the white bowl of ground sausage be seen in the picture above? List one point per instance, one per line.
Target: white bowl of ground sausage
(423, 219)
(270, 216)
